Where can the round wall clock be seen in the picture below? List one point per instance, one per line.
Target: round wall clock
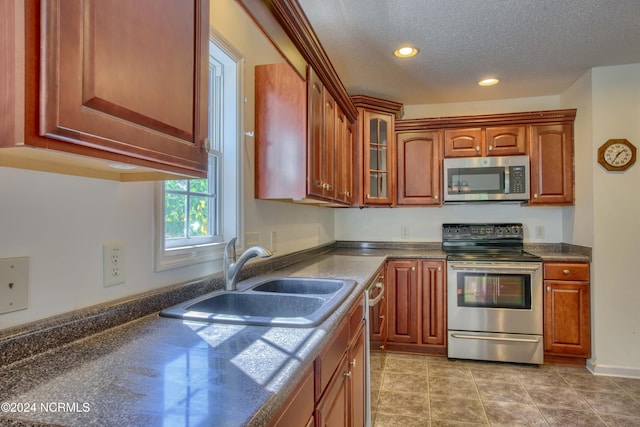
(617, 154)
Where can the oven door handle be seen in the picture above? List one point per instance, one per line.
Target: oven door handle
(376, 300)
(486, 338)
(493, 268)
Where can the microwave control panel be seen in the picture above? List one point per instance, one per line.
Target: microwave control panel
(517, 179)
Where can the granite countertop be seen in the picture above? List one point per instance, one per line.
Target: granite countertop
(161, 371)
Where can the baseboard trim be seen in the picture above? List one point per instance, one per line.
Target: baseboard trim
(612, 371)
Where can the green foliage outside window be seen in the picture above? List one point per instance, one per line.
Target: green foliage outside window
(186, 208)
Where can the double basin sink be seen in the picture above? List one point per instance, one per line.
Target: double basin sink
(268, 301)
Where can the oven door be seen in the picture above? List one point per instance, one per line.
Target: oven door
(500, 297)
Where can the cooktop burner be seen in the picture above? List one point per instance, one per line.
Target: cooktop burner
(485, 241)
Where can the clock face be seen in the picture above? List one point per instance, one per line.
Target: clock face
(617, 154)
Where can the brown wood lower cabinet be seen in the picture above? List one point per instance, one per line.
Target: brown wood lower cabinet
(333, 393)
(299, 411)
(340, 375)
(416, 304)
(567, 312)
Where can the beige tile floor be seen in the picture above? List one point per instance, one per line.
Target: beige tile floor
(432, 391)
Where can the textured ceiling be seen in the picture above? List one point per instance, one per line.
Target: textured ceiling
(535, 47)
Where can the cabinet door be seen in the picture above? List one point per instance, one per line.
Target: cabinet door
(329, 145)
(551, 153)
(434, 302)
(419, 170)
(126, 78)
(463, 142)
(333, 409)
(506, 141)
(344, 160)
(300, 407)
(567, 318)
(378, 180)
(316, 110)
(402, 284)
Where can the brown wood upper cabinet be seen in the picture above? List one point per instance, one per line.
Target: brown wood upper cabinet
(375, 176)
(304, 142)
(489, 141)
(551, 156)
(419, 168)
(120, 82)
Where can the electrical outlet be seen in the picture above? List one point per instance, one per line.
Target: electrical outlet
(113, 263)
(14, 284)
(274, 241)
(540, 232)
(404, 232)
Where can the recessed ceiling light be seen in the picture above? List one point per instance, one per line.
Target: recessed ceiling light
(405, 52)
(489, 82)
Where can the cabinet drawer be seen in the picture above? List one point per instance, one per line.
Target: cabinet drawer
(566, 271)
(328, 360)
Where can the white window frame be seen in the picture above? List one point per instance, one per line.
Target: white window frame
(230, 176)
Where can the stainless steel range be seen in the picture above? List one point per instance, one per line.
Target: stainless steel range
(494, 294)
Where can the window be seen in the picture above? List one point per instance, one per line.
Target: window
(195, 217)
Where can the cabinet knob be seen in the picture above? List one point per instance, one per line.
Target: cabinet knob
(477, 148)
(548, 288)
(439, 268)
(353, 363)
(535, 196)
(368, 196)
(381, 317)
(382, 347)
(490, 147)
(435, 197)
(566, 272)
(347, 374)
(207, 144)
(413, 269)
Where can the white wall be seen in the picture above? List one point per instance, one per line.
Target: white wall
(60, 222)
(578, 220)
(616, 249)
(425, 224)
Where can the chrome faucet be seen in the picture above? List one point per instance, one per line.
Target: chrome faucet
(232, 267)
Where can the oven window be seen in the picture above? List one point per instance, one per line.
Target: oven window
(476, 180)
(494, 290)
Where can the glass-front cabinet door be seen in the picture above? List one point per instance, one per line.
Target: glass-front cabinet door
(378, 165)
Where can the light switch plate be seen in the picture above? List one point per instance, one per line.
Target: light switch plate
(14, 284)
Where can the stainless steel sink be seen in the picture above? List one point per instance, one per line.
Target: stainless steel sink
(268, 301)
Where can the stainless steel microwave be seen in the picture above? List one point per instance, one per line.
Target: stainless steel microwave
(482, 179)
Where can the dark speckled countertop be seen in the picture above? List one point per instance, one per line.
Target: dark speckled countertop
(159, 371)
